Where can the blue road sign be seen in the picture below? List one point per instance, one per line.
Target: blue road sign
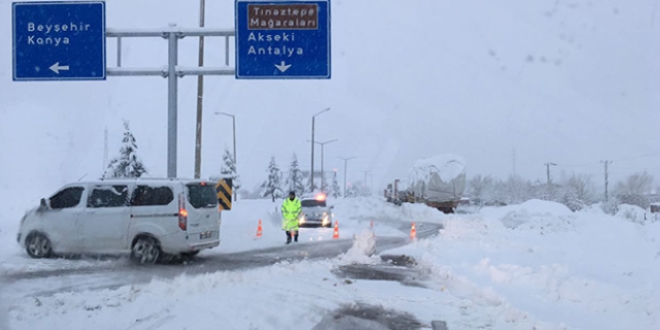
(59, 40)
(282, 39)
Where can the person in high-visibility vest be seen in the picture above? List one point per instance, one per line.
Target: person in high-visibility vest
(291, 209)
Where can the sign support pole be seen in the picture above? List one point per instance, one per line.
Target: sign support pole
(172, 104)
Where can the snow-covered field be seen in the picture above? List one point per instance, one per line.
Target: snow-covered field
(530, 266)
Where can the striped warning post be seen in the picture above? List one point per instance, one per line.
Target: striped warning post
(224, 190)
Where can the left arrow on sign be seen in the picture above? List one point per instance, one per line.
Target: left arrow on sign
(57, 67)
(283, 67)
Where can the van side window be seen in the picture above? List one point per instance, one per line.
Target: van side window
(108, 196)
(66, 198)
(146, 195)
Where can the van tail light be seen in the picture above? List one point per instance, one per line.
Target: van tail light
(183, 213)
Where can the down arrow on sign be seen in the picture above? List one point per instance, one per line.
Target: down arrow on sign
(283, 66)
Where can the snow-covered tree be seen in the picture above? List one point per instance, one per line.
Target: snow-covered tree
(127, 164)
(582, 187)
(272, 186)
(515, 190)
(357, 189)
(294, 181)
(336, 190)
(325, 186)
(228, 170)
(482, 190)
(635, 190)
(636, 184)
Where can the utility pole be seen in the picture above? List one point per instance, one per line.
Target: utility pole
(312, 167)
(345, 170)
(606, 162)
(547, 165)
(200, 97)
(514, 162)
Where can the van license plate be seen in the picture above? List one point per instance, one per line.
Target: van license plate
(205, 235)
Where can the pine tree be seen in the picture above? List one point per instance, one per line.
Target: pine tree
(228, 170)
(294, 181)
(272, 186)
(127, 164)
(336, 191)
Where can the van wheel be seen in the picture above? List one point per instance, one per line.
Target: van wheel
(38, 246)
(145, 251)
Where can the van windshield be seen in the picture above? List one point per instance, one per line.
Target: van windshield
(202, 195)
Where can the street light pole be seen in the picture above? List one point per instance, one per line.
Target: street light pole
(233, 124)
(312, 171)
(200, 95)
(322, 162)
(365, 180)
(345, 171)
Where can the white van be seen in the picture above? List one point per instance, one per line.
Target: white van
(152, 219)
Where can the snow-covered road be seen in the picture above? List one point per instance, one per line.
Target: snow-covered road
(535, 265)
(114, 273)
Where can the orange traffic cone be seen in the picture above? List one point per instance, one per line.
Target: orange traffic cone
(413, 232)
(335, 235)
(259, 229)
(371, 225)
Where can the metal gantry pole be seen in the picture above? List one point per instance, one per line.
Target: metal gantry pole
(172, 71)
(172, 104)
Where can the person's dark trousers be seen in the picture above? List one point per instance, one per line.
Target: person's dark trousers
(288, 236)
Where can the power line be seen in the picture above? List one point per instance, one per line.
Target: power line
(593, 164)
(637, 157)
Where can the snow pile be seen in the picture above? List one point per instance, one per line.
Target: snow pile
(532, 215)
(362, 251)
(365, 209)
(594, 271)
(636, 214)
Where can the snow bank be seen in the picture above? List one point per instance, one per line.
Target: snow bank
(367, 209)
(593, 271)
(531, 215)
(636, 214)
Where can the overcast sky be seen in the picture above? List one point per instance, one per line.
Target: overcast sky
(570, 82)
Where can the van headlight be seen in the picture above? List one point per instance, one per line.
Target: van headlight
(301, 220)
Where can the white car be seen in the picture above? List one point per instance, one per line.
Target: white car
(315, 211)
(152, 219)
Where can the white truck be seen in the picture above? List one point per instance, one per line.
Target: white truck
(438, 182)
